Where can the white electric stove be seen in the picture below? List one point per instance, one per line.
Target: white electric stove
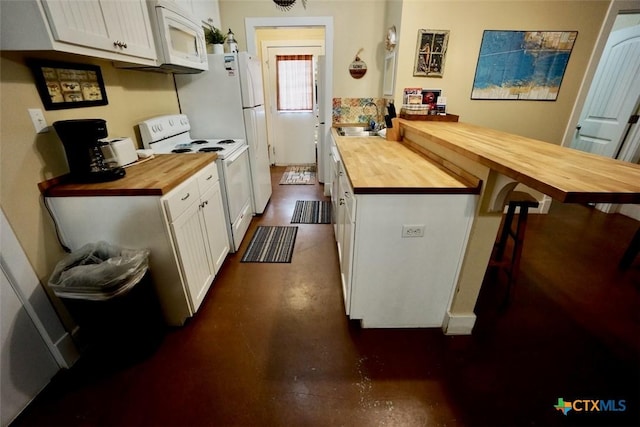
(170, 134)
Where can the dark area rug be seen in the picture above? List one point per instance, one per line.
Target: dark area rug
(312, 212)
(271, 244)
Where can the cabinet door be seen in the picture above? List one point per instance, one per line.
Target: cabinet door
(79, 22)
(340, 217)
(347, 240)
(103, 24)
(206, 11)
(215, 228)
(334, 191)
(129, 24)
(193, 253)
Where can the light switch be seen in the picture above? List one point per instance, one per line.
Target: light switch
(37, 117)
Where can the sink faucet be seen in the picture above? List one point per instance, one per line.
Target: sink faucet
(373, 124)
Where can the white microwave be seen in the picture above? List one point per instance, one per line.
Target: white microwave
(179, 39)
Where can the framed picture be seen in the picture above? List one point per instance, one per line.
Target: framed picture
(430, 53)
(522, 65)
(389, 74)
(64, 85)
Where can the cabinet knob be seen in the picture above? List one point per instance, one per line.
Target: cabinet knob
(341, 202)
(185, 197)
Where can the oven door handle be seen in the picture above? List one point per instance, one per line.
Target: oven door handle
(236, 155)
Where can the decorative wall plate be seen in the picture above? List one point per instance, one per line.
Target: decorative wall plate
(358, 68)
(284, 4)
(391, 39)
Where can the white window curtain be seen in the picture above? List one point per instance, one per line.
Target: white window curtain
(295, 82)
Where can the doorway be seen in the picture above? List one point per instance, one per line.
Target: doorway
(613, 134)
(325, 69)
(292, 134)
(614, 96)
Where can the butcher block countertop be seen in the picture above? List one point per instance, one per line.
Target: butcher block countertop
(154, 177)
(377, 166)
(565, 174)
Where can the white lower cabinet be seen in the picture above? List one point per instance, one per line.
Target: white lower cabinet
(184, 230)
(390, 280)
(199, 232)
(346, 233)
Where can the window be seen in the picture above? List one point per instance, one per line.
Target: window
(295, 82)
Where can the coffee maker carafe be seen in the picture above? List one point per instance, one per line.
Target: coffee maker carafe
(81, 141)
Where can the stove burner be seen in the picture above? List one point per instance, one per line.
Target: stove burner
(199, 141)
(226, 141)
(181, 150)
(210, 149)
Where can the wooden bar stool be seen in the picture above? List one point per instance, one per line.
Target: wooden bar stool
(511, 266)
(632, 251)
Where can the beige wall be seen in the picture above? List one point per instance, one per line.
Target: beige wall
(27, 158)
(357, 24)
(466, 21)
(363, 24)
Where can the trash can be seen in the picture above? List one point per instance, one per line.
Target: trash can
(109, 293)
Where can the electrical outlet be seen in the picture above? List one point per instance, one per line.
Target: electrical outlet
(413, 230)
(37, 117)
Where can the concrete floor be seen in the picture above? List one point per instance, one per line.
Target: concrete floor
(271, 345)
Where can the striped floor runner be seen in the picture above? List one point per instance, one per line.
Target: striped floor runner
(312, 212)
(271, 244)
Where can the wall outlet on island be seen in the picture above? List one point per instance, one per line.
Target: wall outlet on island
(413, 230)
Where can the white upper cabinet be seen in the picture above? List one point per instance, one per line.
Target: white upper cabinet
(116, 26)
(206, 11)
(108, 29)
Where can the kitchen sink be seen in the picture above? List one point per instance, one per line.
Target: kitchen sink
(356, 131)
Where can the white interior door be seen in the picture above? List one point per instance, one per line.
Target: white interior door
(292, 133)
(613, 97)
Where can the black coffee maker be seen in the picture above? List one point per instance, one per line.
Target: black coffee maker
(81, 141)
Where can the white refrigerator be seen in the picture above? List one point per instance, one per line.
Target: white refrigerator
(227, 102)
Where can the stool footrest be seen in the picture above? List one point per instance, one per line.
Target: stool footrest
(524, 201)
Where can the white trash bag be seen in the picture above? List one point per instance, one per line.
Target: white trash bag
(99, 271)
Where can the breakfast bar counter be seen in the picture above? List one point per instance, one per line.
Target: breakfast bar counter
(565, 174)
(501, 161)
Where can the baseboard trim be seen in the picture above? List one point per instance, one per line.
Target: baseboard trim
(458, 324)
(67, 350)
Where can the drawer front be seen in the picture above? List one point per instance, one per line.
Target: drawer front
(179, 199)
(207, 177)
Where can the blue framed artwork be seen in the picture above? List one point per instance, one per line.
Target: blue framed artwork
(522, 65)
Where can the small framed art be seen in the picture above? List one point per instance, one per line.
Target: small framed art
(430, 53)
(64, 85)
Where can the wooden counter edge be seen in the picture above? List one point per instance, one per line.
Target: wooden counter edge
(556, 193)
(63, 186)
(473, 184)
